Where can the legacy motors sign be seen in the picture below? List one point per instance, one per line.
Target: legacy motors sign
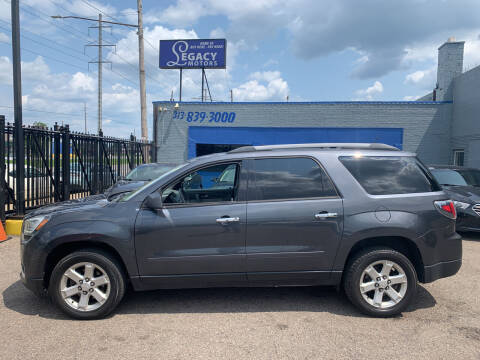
(193, 54)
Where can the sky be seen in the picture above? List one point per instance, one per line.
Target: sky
(303, 50)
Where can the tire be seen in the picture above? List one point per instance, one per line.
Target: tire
(81, 300)
(387, 297)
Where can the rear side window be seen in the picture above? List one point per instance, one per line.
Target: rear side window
(289, 178)
(388, 175)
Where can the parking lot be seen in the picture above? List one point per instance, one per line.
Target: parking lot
(267, 323)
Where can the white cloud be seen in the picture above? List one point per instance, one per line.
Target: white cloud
(5, 70)
(411, 97)
(321, 27)
(127, 47)
(264, 86)
(121, 99)
(472, 51)
(217, 33)
(370, 92)
(4, 37)
(82, 82)
(270, 62)
(5, 10)
(423, 79)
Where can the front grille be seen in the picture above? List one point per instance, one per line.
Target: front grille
(476, 208)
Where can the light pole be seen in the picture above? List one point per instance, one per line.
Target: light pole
(141, 62)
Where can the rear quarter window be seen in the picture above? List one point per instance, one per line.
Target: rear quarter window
(289, 178)
(389, 175)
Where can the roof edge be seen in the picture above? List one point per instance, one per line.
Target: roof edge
(306, 102)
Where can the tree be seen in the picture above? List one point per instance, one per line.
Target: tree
(39, 124)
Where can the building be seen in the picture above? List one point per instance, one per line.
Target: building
(442, 127)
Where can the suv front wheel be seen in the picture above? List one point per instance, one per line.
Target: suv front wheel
(87, 284)
(380, 282)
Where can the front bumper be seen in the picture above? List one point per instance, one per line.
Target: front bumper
(34, 285)
(441, 270)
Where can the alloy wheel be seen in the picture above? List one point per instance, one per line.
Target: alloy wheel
(383, 284)
(85, 286)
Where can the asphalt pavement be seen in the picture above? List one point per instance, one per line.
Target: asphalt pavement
(248, 323)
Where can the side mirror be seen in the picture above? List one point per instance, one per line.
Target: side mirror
(153, 201)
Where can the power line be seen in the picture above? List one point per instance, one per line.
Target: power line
(45, 56)
(123, 76)
(99, 10)
(38, 43)
(43, 111)
(152, 46)
(53, 23)
(43, 37)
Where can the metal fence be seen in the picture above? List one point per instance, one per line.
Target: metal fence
(61, 165)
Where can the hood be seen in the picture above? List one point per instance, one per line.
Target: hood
(123, 186)
(469, 194)
(89, 201)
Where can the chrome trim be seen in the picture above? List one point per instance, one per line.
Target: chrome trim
(227, 220)
(476, 208)
(325, 215)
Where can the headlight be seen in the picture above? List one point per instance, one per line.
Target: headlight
(33, 224)
(461, 205)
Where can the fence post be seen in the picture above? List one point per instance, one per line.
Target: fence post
(119, 159)
(66, 162)
(133, 162)
(19, 146)
(3, 187)
(56, 164)
(95, 187)
(100, 162)
(154, 143)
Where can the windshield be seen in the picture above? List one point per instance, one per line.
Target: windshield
(148, 172)
(129, 195)
(449, 177)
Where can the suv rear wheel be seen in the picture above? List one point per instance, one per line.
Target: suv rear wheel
(380, 282)
(87, 284)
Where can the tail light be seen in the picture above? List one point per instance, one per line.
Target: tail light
(446, 208)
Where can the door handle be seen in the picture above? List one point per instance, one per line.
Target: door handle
(325, 215)
(227, 220)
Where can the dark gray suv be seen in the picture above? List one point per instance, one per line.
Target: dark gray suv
(366, 217)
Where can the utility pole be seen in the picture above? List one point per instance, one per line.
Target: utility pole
(141, 67)
(17, 99)
(85, 115)
(100, 94)
(100, 63)
(231, 95)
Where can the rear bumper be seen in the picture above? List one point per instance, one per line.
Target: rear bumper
(441, 270)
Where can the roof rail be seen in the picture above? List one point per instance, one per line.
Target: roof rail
(351, 146)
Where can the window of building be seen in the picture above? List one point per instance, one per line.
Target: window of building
(458, 157)
(289, 178)
(216, 183)
(386, 175)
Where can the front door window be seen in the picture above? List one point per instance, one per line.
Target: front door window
(216, 183)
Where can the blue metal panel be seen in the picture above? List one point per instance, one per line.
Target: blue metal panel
(281, 135)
